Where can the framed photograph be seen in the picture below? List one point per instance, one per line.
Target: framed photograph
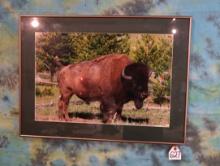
(105, 78)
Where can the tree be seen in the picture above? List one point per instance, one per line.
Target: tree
(53, 50)
(156, 52)
(91, 45)
(161, 89)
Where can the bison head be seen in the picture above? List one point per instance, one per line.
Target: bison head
(135, 82)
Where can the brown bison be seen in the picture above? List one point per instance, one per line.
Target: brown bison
(113, 80)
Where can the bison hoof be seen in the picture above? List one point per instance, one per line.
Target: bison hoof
(63, 117)
(67, 118)
(113, 119)
(105, 120)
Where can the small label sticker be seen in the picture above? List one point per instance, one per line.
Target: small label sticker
(175, 153)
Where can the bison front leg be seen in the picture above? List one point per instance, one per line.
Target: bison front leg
(106, 114)
(109, 113)
(63, 105)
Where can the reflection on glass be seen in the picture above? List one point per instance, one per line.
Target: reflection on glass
(174, 31)
(34, 23)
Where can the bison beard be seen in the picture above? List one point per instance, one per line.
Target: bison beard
(113, 80)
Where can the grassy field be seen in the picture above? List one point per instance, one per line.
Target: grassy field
(46, 110)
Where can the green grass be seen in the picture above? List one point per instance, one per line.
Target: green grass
(46, 109)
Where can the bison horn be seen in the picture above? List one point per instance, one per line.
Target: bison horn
(126, 76)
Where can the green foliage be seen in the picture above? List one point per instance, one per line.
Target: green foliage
(91, 45)
(50, 46)
(159, 93)
(52, 51)
(55, 49)
(45, 91)
(156, 52)
(161, 89)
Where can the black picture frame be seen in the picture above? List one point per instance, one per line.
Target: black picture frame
(174, 134)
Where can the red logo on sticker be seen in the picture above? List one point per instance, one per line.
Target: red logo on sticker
(175, 153)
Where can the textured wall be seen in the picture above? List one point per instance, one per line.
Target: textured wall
(203, 134)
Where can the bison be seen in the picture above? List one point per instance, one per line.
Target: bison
(113, 80)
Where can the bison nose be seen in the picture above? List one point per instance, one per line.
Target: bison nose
(138, 104)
